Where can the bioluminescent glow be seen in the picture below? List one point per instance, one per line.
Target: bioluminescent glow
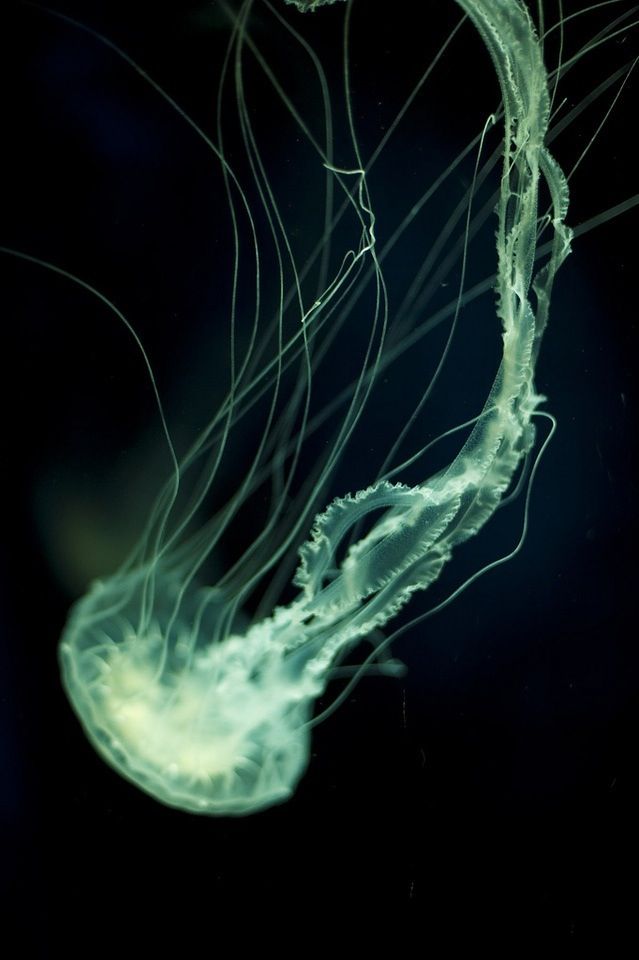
(205, 696)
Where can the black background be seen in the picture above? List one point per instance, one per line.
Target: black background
(492, 790)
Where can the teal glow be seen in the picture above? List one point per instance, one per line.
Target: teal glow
(180, 686)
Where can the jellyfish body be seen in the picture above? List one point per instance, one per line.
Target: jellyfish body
(211, 714)
(215, 728)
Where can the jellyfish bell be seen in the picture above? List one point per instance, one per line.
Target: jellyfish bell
(208, 727)
(210, 708)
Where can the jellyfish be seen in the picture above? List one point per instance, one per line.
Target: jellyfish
(198, 698)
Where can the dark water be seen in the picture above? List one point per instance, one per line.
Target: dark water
(491, 789)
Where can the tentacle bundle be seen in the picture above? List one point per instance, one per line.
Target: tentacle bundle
(222, 725)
